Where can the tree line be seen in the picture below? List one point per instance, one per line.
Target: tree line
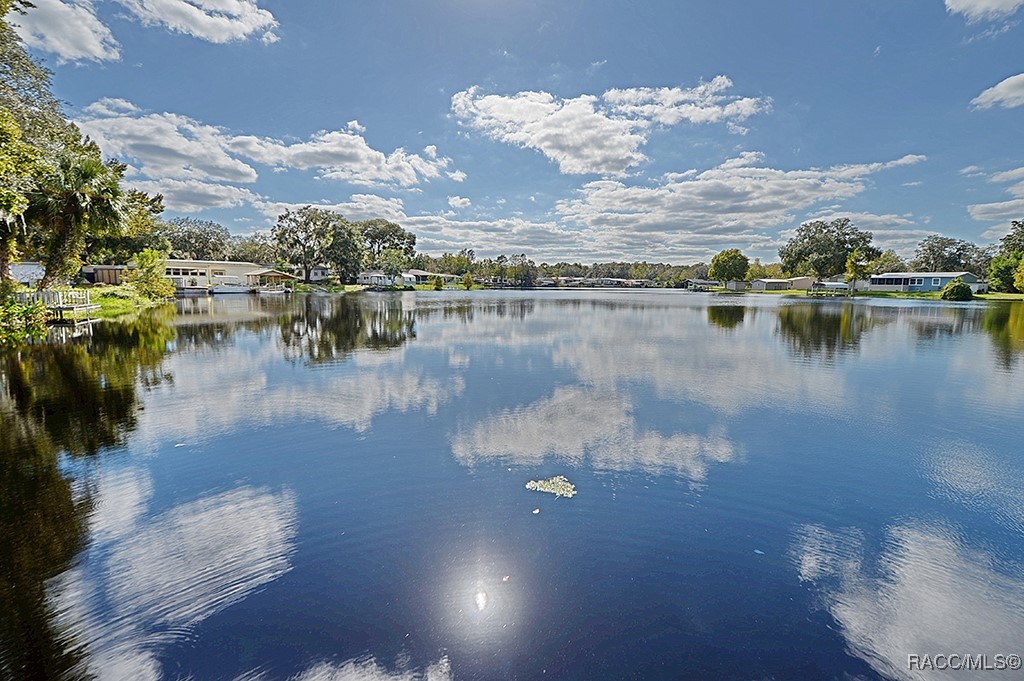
(826, 249)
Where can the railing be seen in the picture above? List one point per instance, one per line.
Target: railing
(55, 299)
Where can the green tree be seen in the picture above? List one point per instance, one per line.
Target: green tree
(194, 239)
(757, 271)
(436, 283)
(823, 247)
(257, 247)
(392, 261)
(140, 230)
(522, 271)
(957, 290)
(640, 270)
(1018, 278)
(888, 261)
(467, 280)
(148, 275)
(857, 267)
(459, 263)
(79, 197)
(1001, 272)
(1014, 241)
(25, 94)
(937, 253)
(346, 251)
(304, 235)
(381, 235)
(18, 168)
(729, 265)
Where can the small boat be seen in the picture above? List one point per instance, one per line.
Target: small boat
(267, 290)
(227, 284)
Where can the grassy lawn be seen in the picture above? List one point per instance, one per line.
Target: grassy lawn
(115, 301)
(1000, 296)
(923, 295)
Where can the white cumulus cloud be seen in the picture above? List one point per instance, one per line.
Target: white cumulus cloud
(196, 166)
(70, 30)
(977, 10)
(733, 205)
(599, 135)
(1008, 93)
(1002, 211)
(217, 21)
(459, 202)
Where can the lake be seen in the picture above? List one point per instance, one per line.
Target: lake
(334, 487)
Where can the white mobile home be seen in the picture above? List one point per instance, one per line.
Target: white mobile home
(205, 273)
(923, 281)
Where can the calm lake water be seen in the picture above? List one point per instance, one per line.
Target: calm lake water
(333, 488)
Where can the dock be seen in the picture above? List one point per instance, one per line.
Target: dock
(60, 303)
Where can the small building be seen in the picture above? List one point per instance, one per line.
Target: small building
(267, 279)
(801, 283)
(699, 284)
(104, 274)
(923, 281)
(771, 285)
(424, 277)
(317, 273)
(204, 273)
(378, 278)
(27, 273)
(736, 285)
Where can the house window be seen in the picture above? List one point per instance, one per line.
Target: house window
(936, 281)
(917, 281)
(219, 273)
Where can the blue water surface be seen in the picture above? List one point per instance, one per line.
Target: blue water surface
(333, 487)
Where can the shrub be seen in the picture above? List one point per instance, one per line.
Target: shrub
(957, 290)
(436, 282)
(18, 321)
(148, 275)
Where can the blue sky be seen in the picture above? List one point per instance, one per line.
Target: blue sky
(580, 130)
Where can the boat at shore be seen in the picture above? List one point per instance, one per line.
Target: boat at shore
(227, 284)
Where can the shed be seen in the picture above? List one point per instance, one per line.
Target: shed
(770, 285)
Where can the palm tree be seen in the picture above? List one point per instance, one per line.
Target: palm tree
(79, 197)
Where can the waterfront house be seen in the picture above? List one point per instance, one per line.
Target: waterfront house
(923, 281)
(197, 274)
(801, 283)
(378, 278)
(317, 273)
(770, 285)
(699, 284)
(736, 285)
(424, 277)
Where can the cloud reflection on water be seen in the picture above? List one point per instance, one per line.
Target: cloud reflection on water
(363, 669)
(153, 579)
(579, 425)
(928, 594)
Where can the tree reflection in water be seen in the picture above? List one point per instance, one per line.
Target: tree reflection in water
(726, 316)
(78, 398)
(323, 329)
(1005, 326)
(823, 331)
